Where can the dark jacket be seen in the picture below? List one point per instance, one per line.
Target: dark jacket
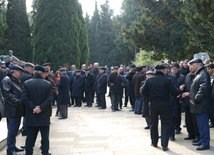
(188, 82)
(95, 73)
(184, 71)
(41, 95)
(200, 93)
(157, 89)
(181, 80)
(130, 87)
(89, 82)
(2, 75)
(77, 86)
(174, 101)
(52, 77)
(63, 89)
(136, 82)
(12, 92)
(115, 83)
(102, 83)
(25, 76)
(145, 105)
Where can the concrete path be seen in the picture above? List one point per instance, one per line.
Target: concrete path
(89, 131)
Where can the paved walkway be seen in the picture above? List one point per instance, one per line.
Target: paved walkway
(89, 131)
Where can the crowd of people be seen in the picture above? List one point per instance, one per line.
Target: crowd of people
(158, 92)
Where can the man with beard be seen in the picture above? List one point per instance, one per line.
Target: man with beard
(158, 94)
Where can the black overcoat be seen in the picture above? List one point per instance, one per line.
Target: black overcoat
(37, 92)
(102, 83)
(130, 87)
(77, 85)
(63, 89)
(89, 82)
(25, 76)
(115, 83)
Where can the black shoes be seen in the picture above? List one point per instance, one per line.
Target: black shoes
(18, 150)
(97, 106)
(196, 140)
(101, 108)
(188, 138)
(113, 110)
(62, 118)
(23, 147)
(117, 110)
(131, 110)
(147, 127)
(200, 148)
(172, 138)
(76, 106)
(177, 131)
(165, 148)
(197, 144)
(154, 145)
(14, 153)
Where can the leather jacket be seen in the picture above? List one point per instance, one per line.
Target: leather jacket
(200, 93)
(12, 91)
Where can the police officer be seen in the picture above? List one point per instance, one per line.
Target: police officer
(13, 109)
(158, 94)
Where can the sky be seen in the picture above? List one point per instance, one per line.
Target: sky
(89, 5)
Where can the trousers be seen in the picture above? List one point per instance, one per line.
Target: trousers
(89, 98)
(115, 100)
(63, 110)
(101, 100)
(31, 137)
(138, 105)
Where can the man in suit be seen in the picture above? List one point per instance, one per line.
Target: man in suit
(37, 99)
(116, 84)
(158, 94)
(77, 88)
(101, 87)
(27, 74)
(13, 108)
(130, 88)
(63, 94)
(89, 84)
(200, 102)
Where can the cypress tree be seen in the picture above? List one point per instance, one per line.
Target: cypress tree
(83, 38)
(1, 28)
(56, 35)
(17, 30)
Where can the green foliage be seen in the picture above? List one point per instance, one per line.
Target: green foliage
(56, 33)
(144, 58)
(17, 30)
(1, 27)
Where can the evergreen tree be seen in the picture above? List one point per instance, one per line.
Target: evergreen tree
(17, 30)
(1, 27)
(56, 35)
(83, 38)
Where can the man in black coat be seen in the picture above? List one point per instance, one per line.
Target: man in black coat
(3, 72)
(130, 88)
(185, 69)
(101, 88)
(181, 80)
(116, 84)
(37, 99)
(13, 108)
(89, 84)
(63, 94)
(77, 88)
(158, 94)
(95, 72)
(48, 65)
(27, 74)
(190, 118)
(200, 102)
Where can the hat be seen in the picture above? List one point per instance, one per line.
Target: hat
(60, 67)
(160, 67)
(46, 69)
(2, 62)
(86, 69)
(47, 64)
(139, 68)
(62, 70)
(132, 66)
(164, 64)
(175, 64)
(39, 68)
(28, 64)
(115, 67)
(144, 66)
(78, 70)
(196, 60)
(3, 67)
(103, 68)
(15, 67)
(149, 72)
